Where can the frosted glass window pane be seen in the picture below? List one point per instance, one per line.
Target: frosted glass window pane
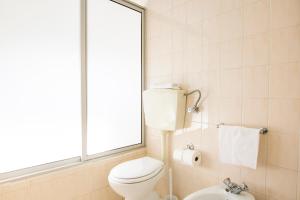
(114, 76)
(40, 114)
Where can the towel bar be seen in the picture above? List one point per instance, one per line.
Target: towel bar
(262, 130)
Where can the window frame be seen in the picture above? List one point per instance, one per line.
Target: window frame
(84, 157)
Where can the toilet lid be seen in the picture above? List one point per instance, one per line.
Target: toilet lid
(137, 168)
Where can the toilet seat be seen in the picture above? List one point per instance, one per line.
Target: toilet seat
(136, 171)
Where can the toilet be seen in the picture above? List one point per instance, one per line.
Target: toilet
(136, 179)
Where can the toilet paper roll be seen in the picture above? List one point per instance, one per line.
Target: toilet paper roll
(177, 154)
(187, 156)
(191, 157)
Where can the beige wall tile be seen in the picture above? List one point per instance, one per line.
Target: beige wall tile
(209, 148)
(193, 61)
(158, 80)
(177, 65)
(193, 54)
(210, 8)
(153, 144)
(21, 194)
(209, 83)
(159, 46)
(231, 110)
(285, 45)
(83, 197)
(203, 178)
(247, 2)
(153, 22)
(256, 17)
(299, 156)
(259, 196)
(225, 171)
(159, 6)
(182, 175)
(80, 181)
(162, 186)
(255, 179)
(285, 80)
(210, 110)
(192, 80)
(179, 13)
(178, 38)
(14, 191)
(44, 189)
(231, 25)
(283, 150)
(284, 116)
(99, 194)
(231, 83)
(212, 30)
(246, 66)
(211, 56)
(231, 54)
(180, 141)
(194, 12)
(285, 13)
(17, 190)
(281, 183)
(256, 50)
(255, 82)
(111, 195)
(298, 191)
(98, 177)
(160, 66)
(255, 112)
(13, 186)
(176, 3)
(227, 5)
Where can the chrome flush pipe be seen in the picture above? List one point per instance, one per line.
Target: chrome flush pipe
(195, 108)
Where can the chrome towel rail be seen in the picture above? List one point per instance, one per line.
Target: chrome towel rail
(262, 130)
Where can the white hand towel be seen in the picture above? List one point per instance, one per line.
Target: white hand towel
(239, 145)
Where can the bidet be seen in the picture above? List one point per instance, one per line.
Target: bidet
(218, 192)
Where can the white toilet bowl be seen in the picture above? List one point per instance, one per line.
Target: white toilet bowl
(136, 179)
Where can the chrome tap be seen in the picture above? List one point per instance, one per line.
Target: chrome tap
(233, 187)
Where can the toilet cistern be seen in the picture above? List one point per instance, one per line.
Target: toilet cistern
(164, 110)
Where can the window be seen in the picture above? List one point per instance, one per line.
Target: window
(114, 76)
(70, 82)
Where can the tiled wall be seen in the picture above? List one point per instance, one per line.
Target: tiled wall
(84, 182)
(244, 55)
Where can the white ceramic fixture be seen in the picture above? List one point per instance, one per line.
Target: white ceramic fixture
(218, 193)
(164, 108)
(136, 179)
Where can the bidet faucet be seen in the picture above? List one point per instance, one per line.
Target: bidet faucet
(233, 187)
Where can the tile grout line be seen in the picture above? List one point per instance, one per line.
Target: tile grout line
(242, 69)
(268, 97)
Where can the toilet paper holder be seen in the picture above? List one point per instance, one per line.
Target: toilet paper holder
(188, 155)
(190, 146)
